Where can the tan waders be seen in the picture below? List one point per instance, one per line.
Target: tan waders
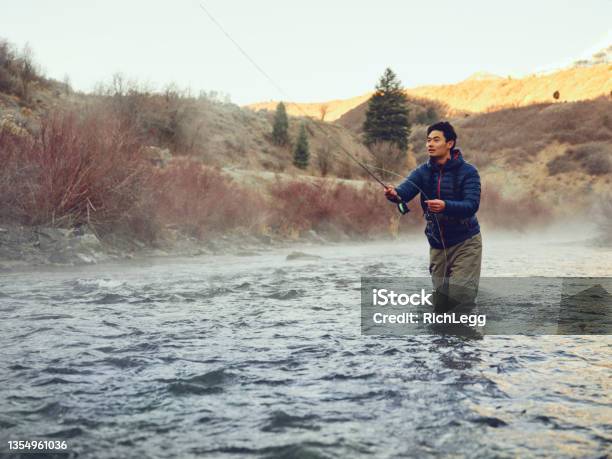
(456, 288)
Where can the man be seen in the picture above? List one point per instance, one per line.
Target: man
(450, 197)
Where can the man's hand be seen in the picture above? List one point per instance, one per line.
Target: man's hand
(391, 194)
(435, 205)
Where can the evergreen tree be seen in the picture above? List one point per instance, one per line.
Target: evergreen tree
(301, 154)
(387, 114)
(280, 134)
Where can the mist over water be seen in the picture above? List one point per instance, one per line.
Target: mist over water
(236, 356)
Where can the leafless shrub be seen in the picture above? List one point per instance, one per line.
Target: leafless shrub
(77, 169)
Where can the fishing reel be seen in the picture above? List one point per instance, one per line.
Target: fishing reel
(403, 207)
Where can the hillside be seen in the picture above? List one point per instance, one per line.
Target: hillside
(482, 95)
(483, 92)
(64, 154)
(513, 147)
(559, 154)
(329, 110)
(214, 133)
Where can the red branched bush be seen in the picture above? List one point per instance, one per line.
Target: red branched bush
(332, 209)
(90, 169)
(75, 170)
(202, 201)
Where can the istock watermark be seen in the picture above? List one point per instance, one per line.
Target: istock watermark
(383, 297)
(497, 306)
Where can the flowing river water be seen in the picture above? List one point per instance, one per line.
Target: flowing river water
(261, 356)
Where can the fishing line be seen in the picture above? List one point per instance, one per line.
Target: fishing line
(287, 97)
(337, 144)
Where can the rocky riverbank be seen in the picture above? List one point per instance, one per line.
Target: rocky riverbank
(22, 246)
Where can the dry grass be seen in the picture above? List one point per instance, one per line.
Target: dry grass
(517, 135)
(334, 109)
(594, 158)
(481, 96)
(220, 133)
(474, 95)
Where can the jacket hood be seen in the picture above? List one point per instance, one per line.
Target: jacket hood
(455, 161)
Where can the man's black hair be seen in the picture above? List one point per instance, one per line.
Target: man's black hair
(447, 129)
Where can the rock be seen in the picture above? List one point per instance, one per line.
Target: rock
(302, 256)
(54, 234)
(139, 244)
(89, 239)
(86, 259)
(56, 239)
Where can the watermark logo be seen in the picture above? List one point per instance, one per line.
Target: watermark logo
(494, 306)
(384, 297)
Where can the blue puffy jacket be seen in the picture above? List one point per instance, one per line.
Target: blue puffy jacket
(457, 183)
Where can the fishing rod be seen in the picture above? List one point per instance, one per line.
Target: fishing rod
(262, 71)
(401, 205)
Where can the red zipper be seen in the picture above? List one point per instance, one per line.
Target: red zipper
(440, 197)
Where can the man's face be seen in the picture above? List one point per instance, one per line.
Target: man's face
(437, 146)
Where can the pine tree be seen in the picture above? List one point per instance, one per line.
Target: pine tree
(301, 154)
(280, 134)
(387, 114)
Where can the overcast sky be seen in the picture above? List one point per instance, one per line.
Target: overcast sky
(315, 50)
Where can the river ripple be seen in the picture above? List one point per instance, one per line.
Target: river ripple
(261, 356)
